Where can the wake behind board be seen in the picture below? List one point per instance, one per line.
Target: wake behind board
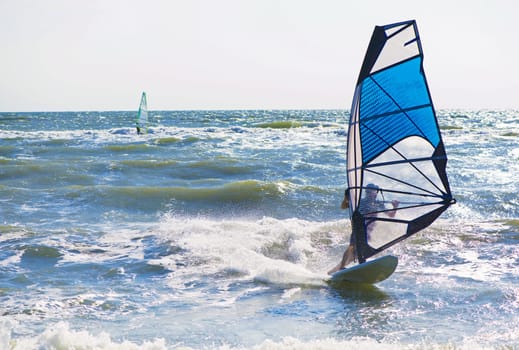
(370, 272)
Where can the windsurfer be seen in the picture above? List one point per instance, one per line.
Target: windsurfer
(368, 204)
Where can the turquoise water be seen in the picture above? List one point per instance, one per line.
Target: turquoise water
(216, 229)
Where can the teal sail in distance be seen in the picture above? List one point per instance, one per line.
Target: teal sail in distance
(142, 116)
(396, 160)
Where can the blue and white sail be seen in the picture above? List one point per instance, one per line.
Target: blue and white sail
(142, 116)
(394, 144)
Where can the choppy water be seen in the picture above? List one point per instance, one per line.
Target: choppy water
(216, 230)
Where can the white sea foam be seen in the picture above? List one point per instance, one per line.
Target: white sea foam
(268, 250)
(356, 343)
(61, 336)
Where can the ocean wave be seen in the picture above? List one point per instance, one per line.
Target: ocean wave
(231, 263)
(148, 163)
(6, 150)
(223, 165)
(4, 229)
(40, 251)
(37, 173)
(61, 336)
(154, 197)
(167, 140)
(280, 124)
(217, 230)
(512, 223)
(245, 190)
(294, 124)
(510, 134)
(5, 161)
(268, 250)
(130, 147)
(215, 168)
(450, 127)
(13, 117)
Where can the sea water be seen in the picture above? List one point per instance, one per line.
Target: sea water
(215, 230)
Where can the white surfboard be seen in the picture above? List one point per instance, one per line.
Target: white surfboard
(370, 272)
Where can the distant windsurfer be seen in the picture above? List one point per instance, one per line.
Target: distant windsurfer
(138, 130)
(368, 204)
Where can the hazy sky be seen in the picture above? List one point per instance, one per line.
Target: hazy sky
(59, 55)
